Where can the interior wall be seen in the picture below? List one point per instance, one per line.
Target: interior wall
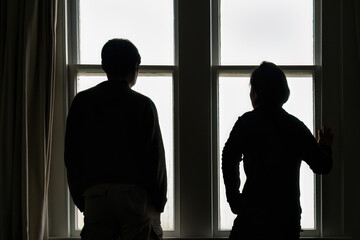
(351, 120)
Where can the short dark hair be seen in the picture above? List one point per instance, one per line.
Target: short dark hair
(270, 84)
(119, 57)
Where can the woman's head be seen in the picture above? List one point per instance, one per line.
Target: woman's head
(269, 85)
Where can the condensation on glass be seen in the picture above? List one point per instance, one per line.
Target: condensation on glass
(160, 90)
(234, 100)
(148, 24)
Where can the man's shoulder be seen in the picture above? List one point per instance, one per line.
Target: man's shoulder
(141, 98)
(90, 91)
(139, 95)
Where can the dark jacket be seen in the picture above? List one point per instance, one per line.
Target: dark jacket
(113, 136)
(272, 144)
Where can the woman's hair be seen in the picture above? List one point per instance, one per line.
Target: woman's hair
(119, 57)
(269, 83)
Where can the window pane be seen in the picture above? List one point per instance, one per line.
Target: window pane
(234, 100)
(160, 90)
(280, 31)
(148, 24)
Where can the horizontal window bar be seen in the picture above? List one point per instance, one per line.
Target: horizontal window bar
(250, 68)
(142, 69)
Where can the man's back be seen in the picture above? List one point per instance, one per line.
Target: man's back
(114, 154)
(117, 133)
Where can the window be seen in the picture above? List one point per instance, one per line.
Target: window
(197, 57)
(149, 25)
(99, 21)
(250, 32)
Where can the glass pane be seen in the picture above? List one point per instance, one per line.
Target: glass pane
(160, 90)
(234, 101)
(279, 31)
(148, 24)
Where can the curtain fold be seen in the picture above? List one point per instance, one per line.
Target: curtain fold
(357, 23)
(27, 75)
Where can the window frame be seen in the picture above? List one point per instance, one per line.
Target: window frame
(289, 70)
(75, 69)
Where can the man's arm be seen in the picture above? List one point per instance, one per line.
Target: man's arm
(72, 155)
(158, 177)
(231, 157)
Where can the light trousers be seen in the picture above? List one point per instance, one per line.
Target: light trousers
(119, 212)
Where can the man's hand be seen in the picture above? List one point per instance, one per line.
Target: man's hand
(325, 136)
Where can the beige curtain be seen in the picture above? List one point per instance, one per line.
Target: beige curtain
(27, 60)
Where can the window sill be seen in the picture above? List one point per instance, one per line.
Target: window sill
(219, 238)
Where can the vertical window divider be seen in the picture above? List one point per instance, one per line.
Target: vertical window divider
(215, 61)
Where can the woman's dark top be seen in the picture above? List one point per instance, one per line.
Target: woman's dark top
(272, 145)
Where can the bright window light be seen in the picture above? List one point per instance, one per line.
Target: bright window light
(147, 24)
(256, 30)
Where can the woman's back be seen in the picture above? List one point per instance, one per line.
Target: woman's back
(272, 144)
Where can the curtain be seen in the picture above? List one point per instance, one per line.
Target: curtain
(357, 23)
(27, 60)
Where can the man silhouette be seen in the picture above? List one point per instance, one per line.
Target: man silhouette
(114, 153)
(272, 144)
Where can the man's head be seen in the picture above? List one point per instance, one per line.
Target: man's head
(269, 85)
(119, 58)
